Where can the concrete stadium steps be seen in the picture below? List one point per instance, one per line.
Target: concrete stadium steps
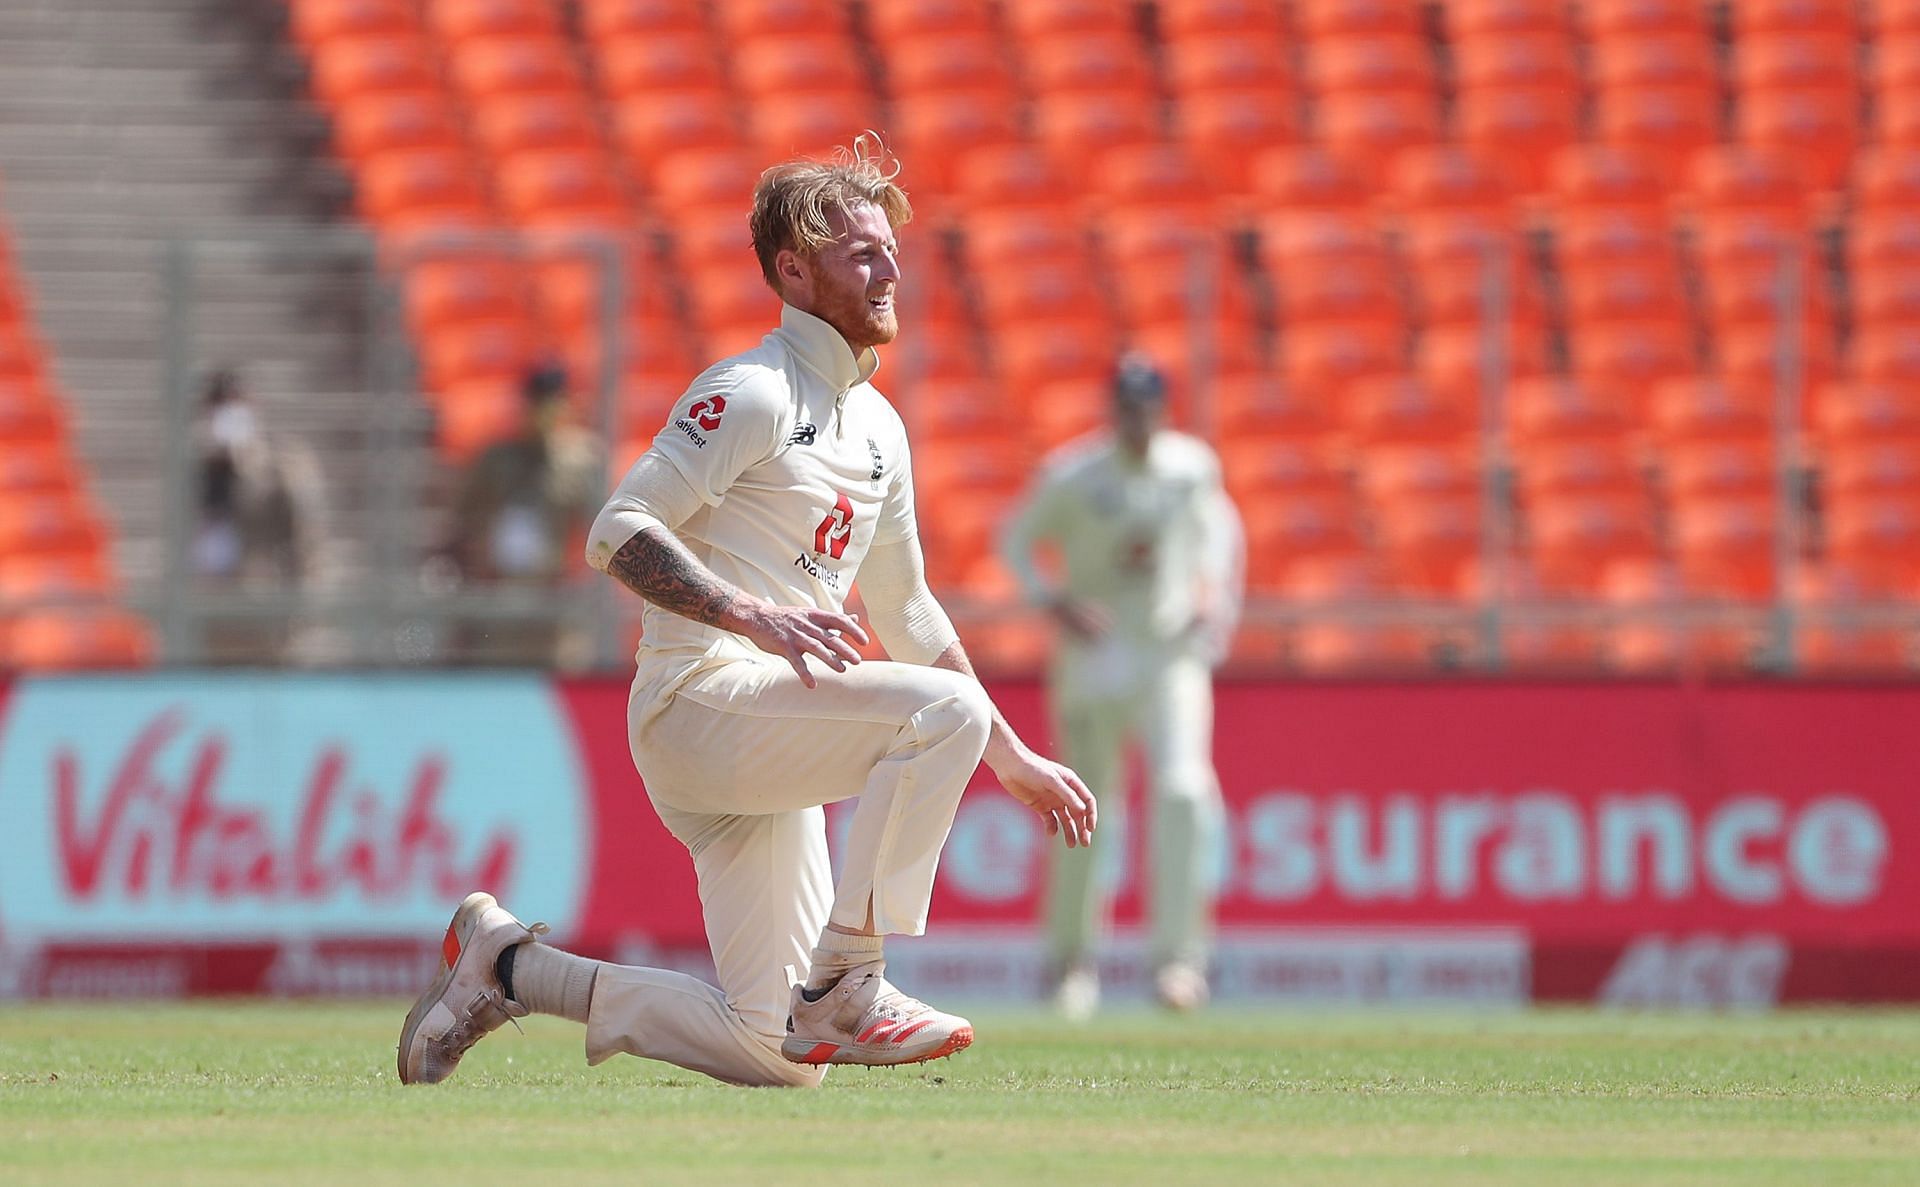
(127, 124)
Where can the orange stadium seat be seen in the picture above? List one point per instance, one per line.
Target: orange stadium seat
(1476, 19)
(1307, 179)
(902, 20)
(1536, 61)
(1890, 298)
(1744, 299)
(1753, 354)
(508, 124)
(1886, 180)
(1077, 129)
(1623, 293)
(1291, 242)
(368, 124)
(493, 348)
(1817, 128)
(1612, 238)
(703, 176)
(1154, 293)
(652, 65)
(1024, 238)
(1015, 176)
(514, 65)
(602, 19)
(1452, 179)
(1336, 357)
(1310, 295)
(59, 521)
(456, 20)
(1669, 126)
(1845, 411)
(1037, 353)
(1257, 402)
(314, 22)
(1316, 19)
(1868, 469)
(1735, 467)
(1430, 544)
(938, 132)
(1406, 470)
(1014, 295)
(1573, 539)
(28, 413)
(1454, 359)
(1038, 18)
(458, 287)
(1348, 67)
(62, 640)
(1368, 131)
(471, 414)
(1878, 538)
(1755, 238)
(953, 409)
(1895, 74)
(22, 358)
(1399, 409)
(1702, 410)
(1752, 18)
(1609, 19)
(1557, 410)
(1160, 177)
(769, 69)
(1682, 64)
(1081, 63)
(651, 127)
(1724, 547)
(38, 466)
(1227, 130)
(1883, 240)
(743, 20)
(1797, 61)
(1728, 178)
(1635, 356)
(1522, 130)
(374, 65)
(812, 125)
(561, 187)
(1590, 179)
(1440, 241)
(428, 184)
(1602, 465)
(1229, 61)
(971, 64)
(1181, 20)
(729, 296)
(1827, 646)
(56, 574)
(1259, 465)
(1456, 296)
(1283, 531)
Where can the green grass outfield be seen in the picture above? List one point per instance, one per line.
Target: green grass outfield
(261, 1093)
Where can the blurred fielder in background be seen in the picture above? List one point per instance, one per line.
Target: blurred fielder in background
(780, 474)
(1145, 593)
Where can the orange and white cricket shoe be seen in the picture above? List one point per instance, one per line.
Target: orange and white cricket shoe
(863, 1019)
(466, 1002)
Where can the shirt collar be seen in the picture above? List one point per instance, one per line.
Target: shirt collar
(824, 351)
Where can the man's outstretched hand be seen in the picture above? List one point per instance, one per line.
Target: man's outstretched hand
(1052, 790)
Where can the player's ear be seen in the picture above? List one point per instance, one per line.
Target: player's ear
(796, 279)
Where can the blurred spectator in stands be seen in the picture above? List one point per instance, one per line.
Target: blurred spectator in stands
(520, 520)
(259, 519)
(1145, 595)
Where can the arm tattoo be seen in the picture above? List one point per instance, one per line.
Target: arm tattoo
(659, 568)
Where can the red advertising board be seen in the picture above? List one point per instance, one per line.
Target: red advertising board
(1635, 843)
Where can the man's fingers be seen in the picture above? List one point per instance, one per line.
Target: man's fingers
(815, 646)
(843, 648)
(844, 624)
(798, 659)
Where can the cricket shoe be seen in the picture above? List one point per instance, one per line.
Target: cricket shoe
(466, 1002)
(1181, 988)
(863, 1019)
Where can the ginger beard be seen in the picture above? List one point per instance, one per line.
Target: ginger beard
(853, 279)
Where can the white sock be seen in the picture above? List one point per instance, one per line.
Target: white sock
(836, 953)
(549, 981)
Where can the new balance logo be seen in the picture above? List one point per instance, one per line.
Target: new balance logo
(802, 435)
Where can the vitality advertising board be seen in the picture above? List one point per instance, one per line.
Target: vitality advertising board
(1482, 842)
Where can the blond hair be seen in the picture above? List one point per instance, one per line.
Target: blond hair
(794, 198)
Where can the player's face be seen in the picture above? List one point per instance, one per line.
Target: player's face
(850, 284)
(1135, 422)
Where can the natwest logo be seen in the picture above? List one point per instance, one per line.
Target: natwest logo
(150, 833)
(284, 808)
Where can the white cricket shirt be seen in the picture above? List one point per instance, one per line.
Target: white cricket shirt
(800, 465)
(1145, 540)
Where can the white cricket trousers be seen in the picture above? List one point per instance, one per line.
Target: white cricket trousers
(1161, 695)
(738, 761)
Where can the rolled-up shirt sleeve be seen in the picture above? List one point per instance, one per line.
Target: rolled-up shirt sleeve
(653, 494)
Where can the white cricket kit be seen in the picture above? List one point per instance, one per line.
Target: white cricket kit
(800, 467)
(1151, 543)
